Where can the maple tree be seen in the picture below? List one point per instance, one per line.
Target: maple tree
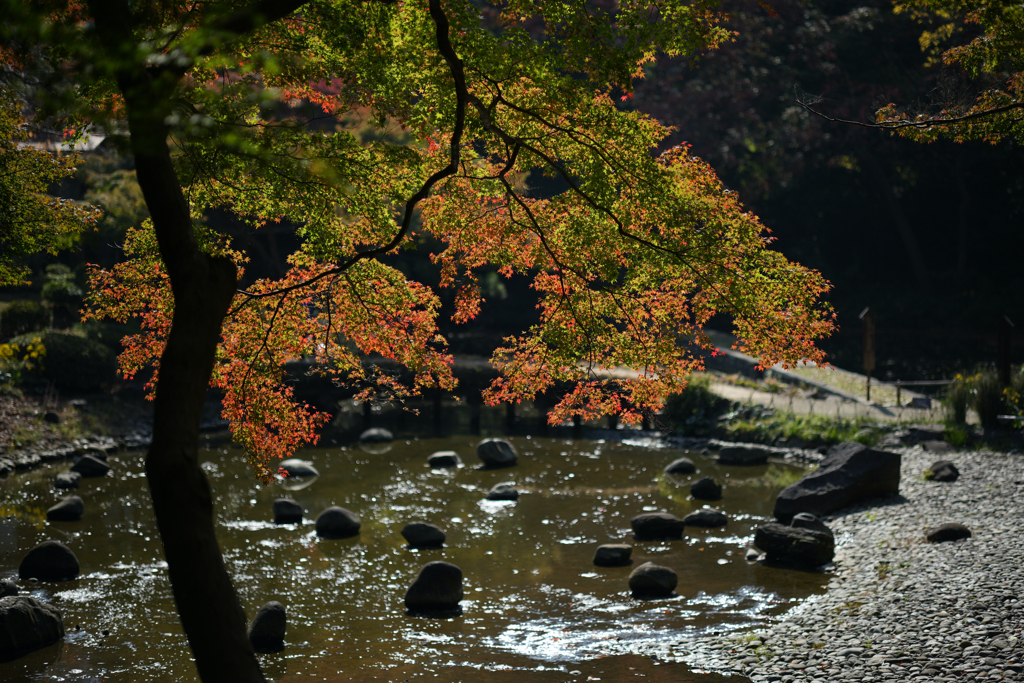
(250, 108)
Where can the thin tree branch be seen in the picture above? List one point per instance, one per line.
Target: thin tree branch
(920, 123)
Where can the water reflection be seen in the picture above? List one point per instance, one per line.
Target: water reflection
(534, 600)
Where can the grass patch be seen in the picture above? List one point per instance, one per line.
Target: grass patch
(812, 429)
(776, 476)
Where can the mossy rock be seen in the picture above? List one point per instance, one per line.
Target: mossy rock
(71, 362)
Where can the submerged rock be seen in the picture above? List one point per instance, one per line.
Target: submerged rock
(746, 454)
(337, 522)
(706, 489)
(27, 625)
(613, 555)
(423, 535)
(657, 526)
(707, 518)
(942, 470)
(506, 491)
(650, 580)
(950, 531)
(293, 467)
(376, 435)
(850, 472)
(287, 511)
(67, 480)
(90, 466)
(444, 459)
(437, 590)
(49, 561)
(496, 453)
(69, 509)
(794, 546)
(680, 466)
(266, 633)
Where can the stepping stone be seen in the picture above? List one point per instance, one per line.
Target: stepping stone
(67, 480)
(423, 535)
(706, 489)
(950, 531)
(49, 561)
(437, 590)
(337, 522)
(506, 491)
(650, 580)
(707, 518)
(69, 509)
(496, 453)
(444, 459)
(90, 466)
(613, 555)
(287, 511)
(681, 466)
(266, 633)
(657, 526)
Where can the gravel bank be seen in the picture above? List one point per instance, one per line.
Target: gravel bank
(900, 608)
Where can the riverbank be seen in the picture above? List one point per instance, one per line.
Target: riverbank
(899, 608)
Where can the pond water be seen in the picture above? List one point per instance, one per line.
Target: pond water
(534, 601)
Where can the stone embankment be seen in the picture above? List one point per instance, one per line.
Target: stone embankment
(898, 607)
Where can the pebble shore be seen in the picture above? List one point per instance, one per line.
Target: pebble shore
(897, 607)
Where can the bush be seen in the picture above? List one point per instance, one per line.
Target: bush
(695, 410)
(957, 400)
(20, 317)
(70, 362)
(988, 397)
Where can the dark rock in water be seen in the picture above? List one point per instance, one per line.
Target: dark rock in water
(6, 467)
(657, 526)
(850, 472)
(51, 417)
(706, 489)
(296, 468)
(744, 454)
(337, 522)
(794, 546)
(27, 625)
(423, 535)
(613, 555)
(287, 511)
(707, 518)
(444, 459)
(436, 591)
(805, 520)
(947, 532)
(67, 480)
(69, 509)
(496, 453)
(650, 580)
(266, 633)
(681, 466)
(90, 466)
(376, 435)
(937, 447)
(752, 554)
(94, 452)
(8, 587)
(942, 470)
(505, 491)
(49, 561)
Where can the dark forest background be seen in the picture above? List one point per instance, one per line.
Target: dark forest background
(929, 236)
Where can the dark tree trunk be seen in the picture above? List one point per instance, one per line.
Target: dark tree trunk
(963, 236)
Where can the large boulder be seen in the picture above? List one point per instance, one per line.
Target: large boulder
(423, 535)
(376, 435)
(444, 459)
(295, 468)
(657, 526)
(337, 522)
(850, 472)
(706, 489)
(67, 480)
(794, 546)
(49, 561)
(506, 491)
(27, 625)
(708, 518)
(266, 633)
(613, 555)
(90, 466)
(806, 520)
(69, 509)
(744, 454)
(680, 466)
(437, 590)
(950, 531)
(496, 453)
(650, 580)
(287, 511)
(942, 470)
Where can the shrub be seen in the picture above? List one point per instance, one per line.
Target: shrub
(20, 317)
(988, 397)
(70, 362)
(695, 410)
(957, 399)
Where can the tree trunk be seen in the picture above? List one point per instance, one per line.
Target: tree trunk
(963, 237)
(203, 288)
